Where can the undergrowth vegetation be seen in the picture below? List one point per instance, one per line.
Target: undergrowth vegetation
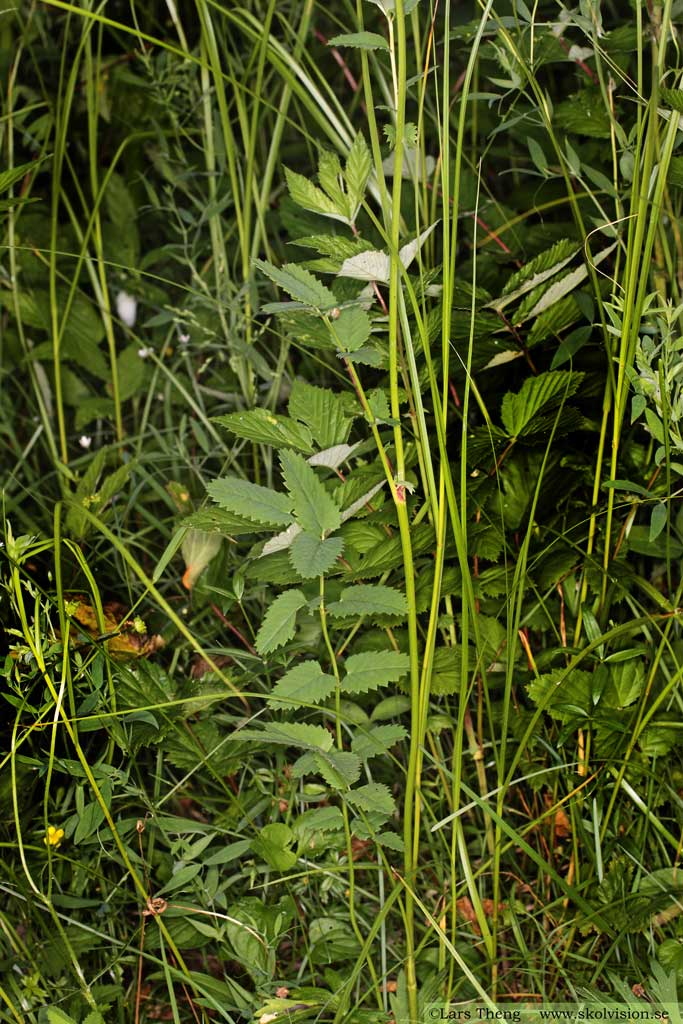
(341, 418)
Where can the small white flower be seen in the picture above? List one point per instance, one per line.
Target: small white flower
(127, 308)
(145, 352)
(183, 338)
(85, 441)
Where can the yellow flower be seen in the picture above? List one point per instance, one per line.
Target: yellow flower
(54, 836)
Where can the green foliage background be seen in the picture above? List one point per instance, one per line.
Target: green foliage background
(341, 442)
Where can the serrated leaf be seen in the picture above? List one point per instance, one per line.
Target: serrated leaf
(339, 768)
(377, 741)
(322, 411)
(626, 681)
(375, 265)
(218, 520)
(372, 669)
(560, 288)
(304, 684)
(371, 265)
(537, 394)
(372, 797)
(391, 840)
(334, 246)
(307, 195)
(265, 427)
(329, 176)
(563, 698)
(536, 271)
(279, 623)
(554, 320)
(252, 501)
(369, 599)
(315, 510)
(56, 1016)
(357, 170)
(289, 734)
(300, 284)
(313, 556)
(361, 41)
(352, 329)
(318, 819)
(673, 98)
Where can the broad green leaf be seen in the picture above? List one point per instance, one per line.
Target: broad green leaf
(329, 176)
(322, 411)
(307, 195)
(568, 699)
(289, 734)
(570, 345)
(265, 427)
(182, 878)
(312, 556)
(537, 394)
(673, 98)
(56, 1016)
(580, 113)
(626, 681)
(279, 623)
(334, 246)
(658, 519)
(538, 156)
(369, 599)
(273, 845)
(551, 322)
(372, 669)
(357, 170)
(300, 284)
(339, 768)
(251, 500)
(218, 520)
(447, 669)
(318, 819)
(538, 303)
(536, 271)
(638, 541)
(304, 684)
(315, 510)
(391, 840)
(372, 797)
(377, 741)
(670, 956)
(352, 329)
(654, 425)
(88, 822)
(361, 41)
